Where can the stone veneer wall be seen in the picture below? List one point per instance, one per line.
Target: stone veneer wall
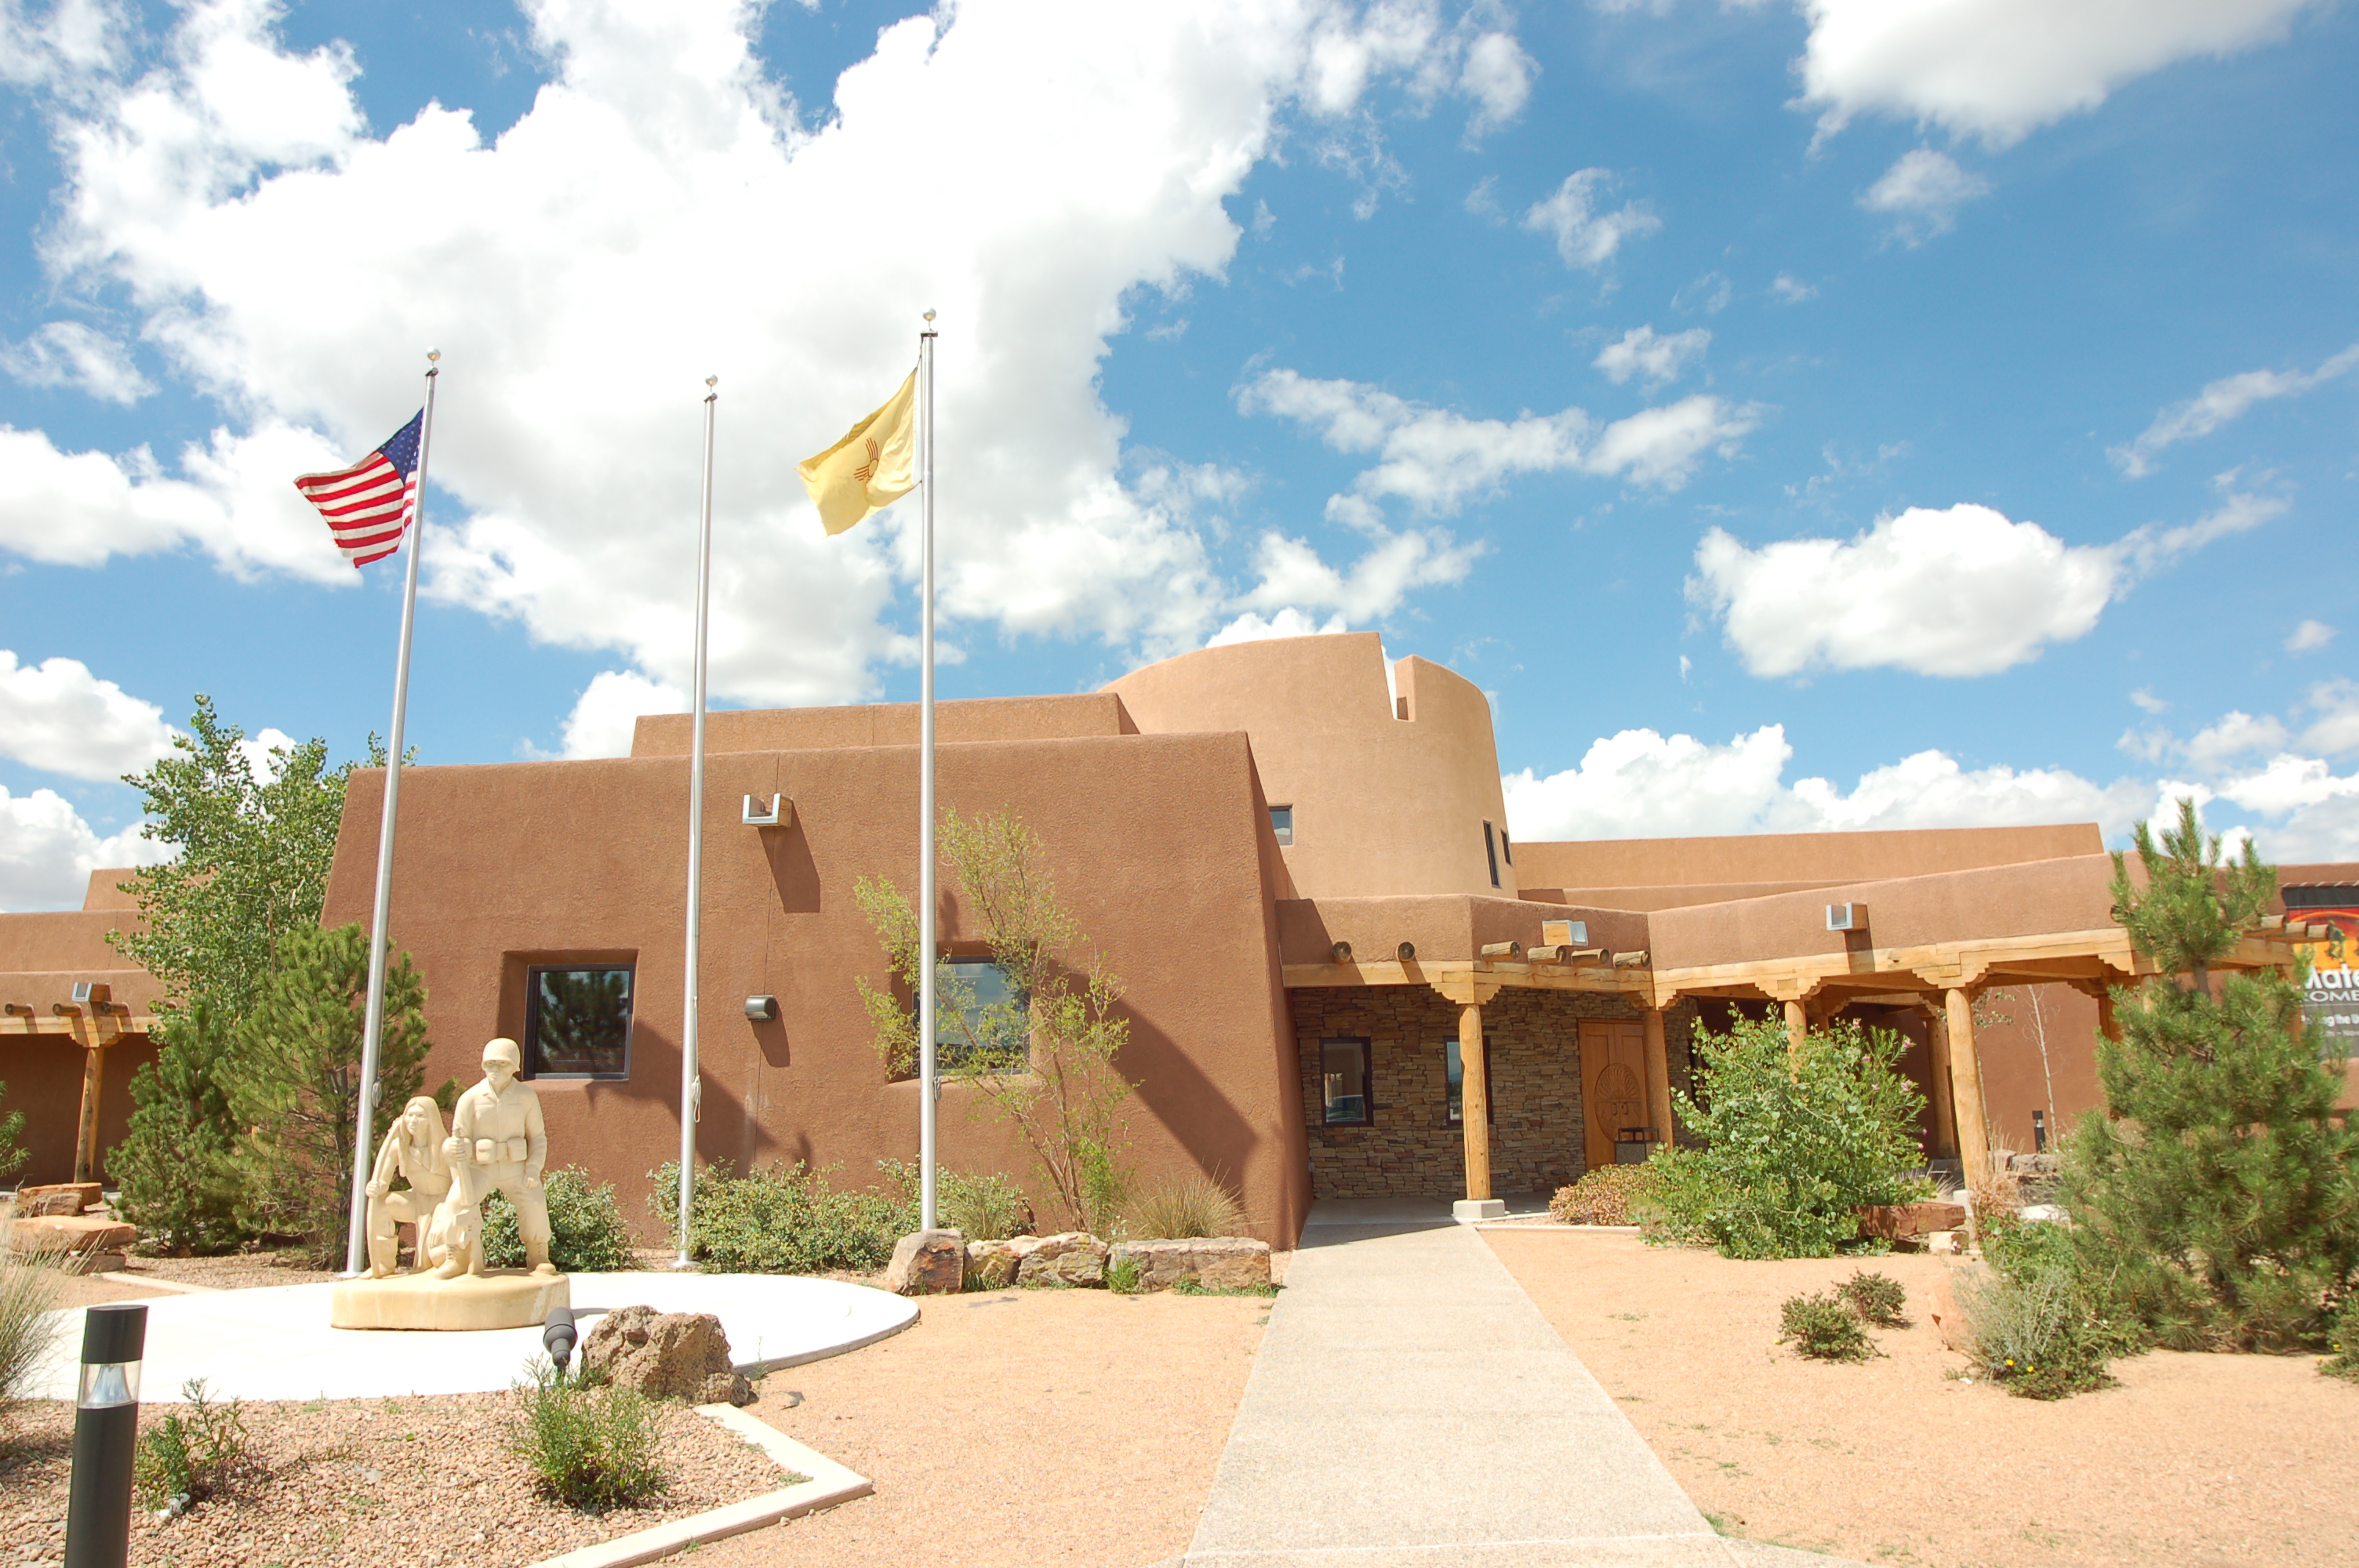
(1412, 1148)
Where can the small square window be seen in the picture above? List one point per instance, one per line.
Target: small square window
(577, 1023)
(1281, 822)
(1455, 1075)
(1343, 1067)
(980, 1018)
(1491, 852)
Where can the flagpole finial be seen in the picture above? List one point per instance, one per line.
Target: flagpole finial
(433, 356)
(713, 381)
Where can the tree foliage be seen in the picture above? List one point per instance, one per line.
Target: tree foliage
(1040, 1054)
(2217, 1192)
(177, 1168)
(12, 1127)
(1795, 1141)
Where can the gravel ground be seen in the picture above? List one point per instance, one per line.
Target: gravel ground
(231, 1272)
(1015, 1428)
(371, 1482)
(2194, 1460)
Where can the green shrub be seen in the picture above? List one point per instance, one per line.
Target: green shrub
(1878, 1298)
(1123, 1275)
(591, 1446)
(1195, 1205)
(1604, 1197)
(28, 1290)
(1824, 1328)
(1796, 1141)
(2038, 1318)
(2343, 1339)
(587, 1233)
(13, 1156)
(782, 1219)
(195, 1451)
(981, 1208)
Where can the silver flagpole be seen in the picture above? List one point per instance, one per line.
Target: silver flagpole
(692, 1088)
(373, 1030)
(929, 1089)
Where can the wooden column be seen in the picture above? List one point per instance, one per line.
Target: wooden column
(94, 1076)
(1944, 1105)
(1658, 1076)
(1798, 1025)
(1966, 1087)
(1475, 1100)
(2106, 1024)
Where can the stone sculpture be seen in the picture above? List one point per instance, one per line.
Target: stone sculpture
(498, 1143)
(413, 1151)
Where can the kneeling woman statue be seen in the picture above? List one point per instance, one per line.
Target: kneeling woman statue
(412, 1150)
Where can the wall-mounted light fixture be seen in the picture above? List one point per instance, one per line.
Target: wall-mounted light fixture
(1565, 932)
(780, 814)
(762, 1009)
(98, 997)
(1847, 917)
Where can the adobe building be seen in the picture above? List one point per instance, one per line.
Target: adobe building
(1342, 977)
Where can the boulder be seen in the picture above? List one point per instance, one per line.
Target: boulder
(56, 1199)
(1215, 1262)
(666, 1356)
(1906, 1221)
(70, 1233)
(990, 1265)
(928, 1263)
(1069, 1257)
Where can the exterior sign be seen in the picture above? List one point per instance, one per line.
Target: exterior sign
(2331, 1004)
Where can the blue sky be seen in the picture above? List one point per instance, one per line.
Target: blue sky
(1834, 415)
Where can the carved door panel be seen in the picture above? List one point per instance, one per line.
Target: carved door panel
(1612, 1084)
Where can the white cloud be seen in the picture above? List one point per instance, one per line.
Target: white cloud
(1586, 237)
(603, 718)
(2301, 810)
(1640, 784)
(2001, 69)
(647, 222)
(1436, 459)
(60, 718)
(2147, 702)
(1498, 77)
(67, 353)
(2219, 403)
(48, 851)
(1922, 193)
(1295, 580)
(1963, 591)
(1640, 353)
(1788, 289)
(2308, 637)
(1288, 622)
(2335, 730)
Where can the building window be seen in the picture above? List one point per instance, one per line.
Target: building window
(1281, 822)
(1506, 850)
(981, 1020)
(1344, 1065)
(577, 1021)
(1455, 1075)
(1490, 853)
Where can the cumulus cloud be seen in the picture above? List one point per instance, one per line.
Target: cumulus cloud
(1498, 77)
(1640, 353)
(1288, 622)
(1436, 459)
(647, 223)
(60, 718)
(607, 712)
(2277, 773)
(1586, 237)
(67, 353)
(48, 851)
(2000, 68)
(2308, 637)
(2216, 405)
(1922, 193)
(1961, 591)
(1294, 579)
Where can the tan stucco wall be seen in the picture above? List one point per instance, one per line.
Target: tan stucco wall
(1805, 857)
(1387, 799)
(883, 724)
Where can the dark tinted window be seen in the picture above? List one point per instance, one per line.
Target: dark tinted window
(578, 1022)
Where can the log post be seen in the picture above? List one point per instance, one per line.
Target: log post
(1474, 1100)
(1658, 1076)
(1966, 1087)
(1797, 1027)
(1945, 1109)
(94, 1077)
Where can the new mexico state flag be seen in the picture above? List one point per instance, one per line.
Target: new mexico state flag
(873, 467)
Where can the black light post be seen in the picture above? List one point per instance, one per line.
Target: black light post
(107, 1435)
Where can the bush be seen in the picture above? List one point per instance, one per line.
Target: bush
(587, 1233)
(176, 1167)
(28, 1290)
(1878, 1298)
(782, 1219)
(2343, 1339)
(1824, 1328)
(195, 1451)
(1604, 1197)
(2037, 1319)
(1197, 1206)
(1796, 1142)
(981, 1208)
(591, 1446)
(12, 1126)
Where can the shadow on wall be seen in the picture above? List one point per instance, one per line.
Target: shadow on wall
(1202, 1119)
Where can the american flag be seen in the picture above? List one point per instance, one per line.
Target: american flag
(368, 507)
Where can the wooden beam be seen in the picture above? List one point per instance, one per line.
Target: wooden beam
(1475, 1100)
(1966, 1087)
(1658, 1074)
(1441, 972)
(82, 1030)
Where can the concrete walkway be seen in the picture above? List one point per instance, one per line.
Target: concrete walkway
(1409, 1405)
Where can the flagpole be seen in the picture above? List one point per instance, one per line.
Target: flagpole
(929, 1088)
(373, 1030)
(692, 1088)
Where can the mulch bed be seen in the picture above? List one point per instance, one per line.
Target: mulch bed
(414, 1482)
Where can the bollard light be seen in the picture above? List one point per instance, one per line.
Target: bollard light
(558, 1338)
(107, 1435)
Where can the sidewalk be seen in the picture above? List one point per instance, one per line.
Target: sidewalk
(1410, 1406)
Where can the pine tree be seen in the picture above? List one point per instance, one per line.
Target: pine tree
(179, 1179)
(297, 1091)
(2216, 1194)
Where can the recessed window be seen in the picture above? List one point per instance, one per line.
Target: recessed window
(1491, 852)
(1281, 822)
(1343, 1067)
(980, 1018)
(1455, 1075)
(1506, 850)
(577, 1021)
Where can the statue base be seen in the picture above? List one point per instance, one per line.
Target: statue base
(504, 1298)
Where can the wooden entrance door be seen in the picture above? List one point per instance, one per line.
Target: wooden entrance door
(1612, 1084)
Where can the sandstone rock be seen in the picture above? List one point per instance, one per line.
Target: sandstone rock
(665, 1354)
(1069, 1257)
(1216, 1262)
(928, 1263)
(1906, 1221)
(56, 1199)
(990, 1265)
(70, 1233)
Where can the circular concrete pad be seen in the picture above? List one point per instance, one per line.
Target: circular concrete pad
(275, 1344)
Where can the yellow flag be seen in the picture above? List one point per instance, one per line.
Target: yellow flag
(873, 467)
